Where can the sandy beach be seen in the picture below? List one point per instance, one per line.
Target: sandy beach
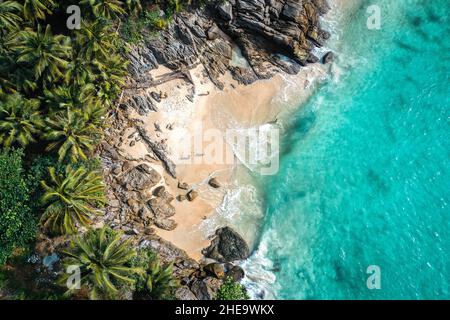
(236, 106)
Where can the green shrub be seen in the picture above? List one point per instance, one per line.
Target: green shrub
(231, 290)
(146, 23)
(17, 224)
(157, 282)
(104, 259)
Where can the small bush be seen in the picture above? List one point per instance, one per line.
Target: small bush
(231, 290)
(157, 283)
(149, 21)
(17, 224)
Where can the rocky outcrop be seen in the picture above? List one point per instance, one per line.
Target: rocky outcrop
(227, 246)
(328, 57)
(142, 104)
(184, 293)
(272, 35)
(215, 269)
(158, 150)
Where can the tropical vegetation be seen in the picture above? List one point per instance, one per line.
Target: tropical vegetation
(71, 199)
(103, 261)
(157, 281)
(17, 223)
(232, 290)
(57, 86)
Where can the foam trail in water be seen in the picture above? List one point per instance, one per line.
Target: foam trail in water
(259, 279)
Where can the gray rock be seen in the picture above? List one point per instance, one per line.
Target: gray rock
(192, 195)
(225, 10)
(215, 269)
(109, 151)
(227, 246)
(159, 191)
(236, 273)
(161, 208)
(206, 289)
(183, 185)
(139, 178)
(328, 57)
(213, 182)
(165, 224)
(158, 150)
(184, 293)
(156, 96)
(213, 33)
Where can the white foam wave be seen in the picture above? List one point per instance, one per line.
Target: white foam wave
(241, 209)
(259, 279)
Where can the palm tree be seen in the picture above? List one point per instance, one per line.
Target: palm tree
(72, 199)
(73, 97)
(133, 6)
(45, 53)
(78, 72)
(95, 40)
(20, 120)
(13, 77)
(157, 282)
(95, 113)
(110, 78)
(80, 98)
(71, 134)
(104, 261)
(37, 9)
(8, 15)
(109, 9)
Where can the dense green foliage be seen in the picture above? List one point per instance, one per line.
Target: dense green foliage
(20, 120)
(231, 290)
(157, 281)
(56, 88)
(72, 198)
(17, 224)
(104, 261)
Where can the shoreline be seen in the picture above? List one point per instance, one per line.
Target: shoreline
(156, 154)
(237, 106)
(196, 104)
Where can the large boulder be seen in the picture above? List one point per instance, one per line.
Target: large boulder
(215, 269)
(227, 246)
(225, 10)
(206, 289)
(236, 273)
(161, 208)
(213, 182)
(184, 293)
(165, 224)
(139, 178)
(328, 57)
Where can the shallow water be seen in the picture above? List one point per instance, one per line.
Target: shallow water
(364, 172)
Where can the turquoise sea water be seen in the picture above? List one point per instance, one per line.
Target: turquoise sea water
(364, 174)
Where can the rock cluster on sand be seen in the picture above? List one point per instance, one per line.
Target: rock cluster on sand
(271, 36)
